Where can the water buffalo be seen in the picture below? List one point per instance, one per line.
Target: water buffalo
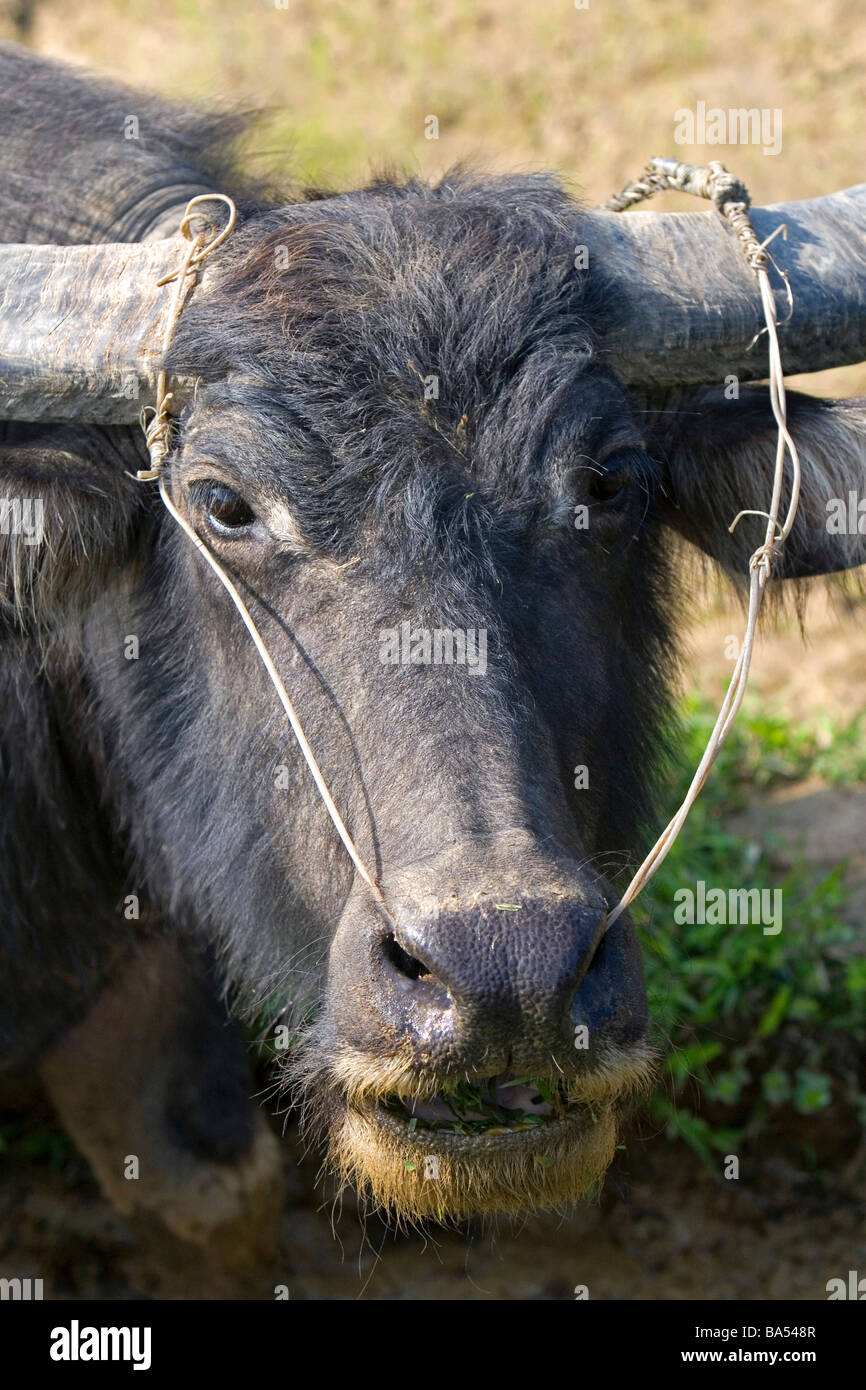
(469, 418)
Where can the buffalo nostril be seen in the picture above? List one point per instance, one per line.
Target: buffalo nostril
(401, 960)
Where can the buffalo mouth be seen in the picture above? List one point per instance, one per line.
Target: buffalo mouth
(481, 1146)
(493, 1108)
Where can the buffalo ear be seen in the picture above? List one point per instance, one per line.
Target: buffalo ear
(718, 456)
(66, 522)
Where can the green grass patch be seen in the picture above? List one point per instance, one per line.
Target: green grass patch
(758, 1025)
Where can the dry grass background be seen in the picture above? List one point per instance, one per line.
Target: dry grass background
(589, 92)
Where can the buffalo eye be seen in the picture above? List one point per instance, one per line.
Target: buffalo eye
(226, 510)
(611, 481)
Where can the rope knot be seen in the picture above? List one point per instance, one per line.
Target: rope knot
(156, 423)
(157, 426)
(762, 559)
(723, 188)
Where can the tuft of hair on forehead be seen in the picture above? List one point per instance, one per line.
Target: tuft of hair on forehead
(397, 348)
(474, 271)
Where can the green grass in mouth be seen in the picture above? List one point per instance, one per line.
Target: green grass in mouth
(475, 1111)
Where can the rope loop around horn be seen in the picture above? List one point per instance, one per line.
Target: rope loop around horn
(731, 199)
(155, 420)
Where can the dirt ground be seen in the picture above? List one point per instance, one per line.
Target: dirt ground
(664, 1227)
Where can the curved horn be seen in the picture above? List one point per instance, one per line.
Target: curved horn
(81, 329)
(685, 307)
(81, 326)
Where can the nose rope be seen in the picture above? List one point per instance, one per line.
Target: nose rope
(157, 430)
(731, 199)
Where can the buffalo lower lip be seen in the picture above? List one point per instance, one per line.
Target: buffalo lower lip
(576, 1120)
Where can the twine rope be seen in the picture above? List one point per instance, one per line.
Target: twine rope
(731, 199)
(157, 432)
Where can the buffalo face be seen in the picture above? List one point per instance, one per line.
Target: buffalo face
(472, 1046)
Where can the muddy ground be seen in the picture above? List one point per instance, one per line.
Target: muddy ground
(664, 1227)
